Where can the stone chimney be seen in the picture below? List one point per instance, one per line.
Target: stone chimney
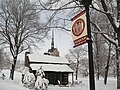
(27, 62)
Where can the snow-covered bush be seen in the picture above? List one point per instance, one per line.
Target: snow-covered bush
(77, 82)
(2, 76)
(29, 80)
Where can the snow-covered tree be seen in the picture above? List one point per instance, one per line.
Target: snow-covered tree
(20, 27)
(29, 80)
(78, 59)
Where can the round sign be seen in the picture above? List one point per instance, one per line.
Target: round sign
(78, 27)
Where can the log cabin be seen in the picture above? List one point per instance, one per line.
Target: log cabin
(56, 69)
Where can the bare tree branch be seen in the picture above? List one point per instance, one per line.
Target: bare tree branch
(104, 35)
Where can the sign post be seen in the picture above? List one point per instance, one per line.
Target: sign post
(81, 33)
(90, 53)
(87, 3)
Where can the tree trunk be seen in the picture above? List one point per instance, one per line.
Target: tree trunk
(107, 66)
(76, 73)
(77, 69)
(97, 56)
(118, 9)
(118, 68)
(114, 72)
(98, 72)
(118, 59)
(13, 69)
(98, 64)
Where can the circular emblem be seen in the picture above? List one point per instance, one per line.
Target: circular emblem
(78, 27)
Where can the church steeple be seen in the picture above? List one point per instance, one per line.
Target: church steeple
(52, 43)
(53, 51)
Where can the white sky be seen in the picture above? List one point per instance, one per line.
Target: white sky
(63, 40)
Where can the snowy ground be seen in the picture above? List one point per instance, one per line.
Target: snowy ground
(16, 84)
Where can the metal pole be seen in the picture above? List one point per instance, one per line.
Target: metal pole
(90, 51)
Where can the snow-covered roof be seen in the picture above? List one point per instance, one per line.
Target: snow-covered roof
(52, 67)
(47, 59)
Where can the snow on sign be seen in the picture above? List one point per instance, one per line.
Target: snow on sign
(79, 29)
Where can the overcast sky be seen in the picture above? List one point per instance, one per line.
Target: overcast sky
(63, 40)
